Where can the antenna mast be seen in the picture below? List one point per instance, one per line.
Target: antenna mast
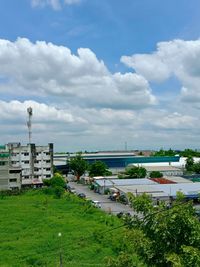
(29, 123)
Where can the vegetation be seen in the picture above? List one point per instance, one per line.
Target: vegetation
(165, 237)
(98, 168)
(55, 185)
(191, 166)
(30, 223)
(135, 172)
(156, 174)
(78, 165)
(169, 153)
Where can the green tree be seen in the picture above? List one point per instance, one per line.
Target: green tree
(156, 174)
(169, 235)
(135, 172)
(189, 163)
(196, 167)
(98, 168)
(78, 165)
(56, 180)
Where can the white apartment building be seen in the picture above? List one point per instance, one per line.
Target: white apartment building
(36, 162)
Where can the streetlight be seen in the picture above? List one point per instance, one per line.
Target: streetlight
(60, 249)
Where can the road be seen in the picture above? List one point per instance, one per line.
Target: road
(106, 204)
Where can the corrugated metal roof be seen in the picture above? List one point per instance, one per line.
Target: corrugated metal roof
(123, 182)
(165, 189)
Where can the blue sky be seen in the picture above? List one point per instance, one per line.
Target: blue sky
(135, 80)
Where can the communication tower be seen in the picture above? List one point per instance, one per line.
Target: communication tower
(29, 123)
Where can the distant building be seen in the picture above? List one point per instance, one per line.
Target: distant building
(115, 160)
(10, 177)
(165, 170)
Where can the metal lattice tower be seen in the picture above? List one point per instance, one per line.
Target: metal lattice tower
(29, 123)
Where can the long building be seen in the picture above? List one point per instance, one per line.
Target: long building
(116, 161)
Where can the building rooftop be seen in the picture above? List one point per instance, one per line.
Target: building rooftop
(188, 189)
(124, 182)
(161, 168)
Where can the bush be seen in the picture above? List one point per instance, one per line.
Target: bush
(58, 191)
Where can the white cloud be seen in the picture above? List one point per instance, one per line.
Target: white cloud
(55, 4)
(80, 103)
(71, 2)
(45, 69)
(177, 58)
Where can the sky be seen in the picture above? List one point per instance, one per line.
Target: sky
(101, 74)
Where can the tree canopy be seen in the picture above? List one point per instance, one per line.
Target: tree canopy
(165, 236)
(78, 165)
(98, 168)
(156, 174)
(135, 172)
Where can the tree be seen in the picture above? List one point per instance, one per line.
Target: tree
(196, 167)
(98, 168)
(56, 180)
(189, 163)
(167, 237)
(156, 174)
(135, 172)
(78, 165)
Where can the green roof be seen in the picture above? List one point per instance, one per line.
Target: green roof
(2, 147)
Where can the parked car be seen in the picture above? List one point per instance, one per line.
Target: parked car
(82, 195)
(96, 203)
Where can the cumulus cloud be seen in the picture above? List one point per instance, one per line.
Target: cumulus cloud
(177, 58)
(46, 69)
(55, 4)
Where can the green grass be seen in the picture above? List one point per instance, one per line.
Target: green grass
(29, 227)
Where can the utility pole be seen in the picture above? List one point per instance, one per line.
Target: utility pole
(60, 249)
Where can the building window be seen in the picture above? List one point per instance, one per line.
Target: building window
(47, 153)
(48, 176)
(13, 180)
(36, 161)
(47, 161)
(48, 169)
(26, 177)
(14, 171)
(26, 154)
(26, 162)
(2, 163)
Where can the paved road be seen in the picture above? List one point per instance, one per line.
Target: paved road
(106, 204)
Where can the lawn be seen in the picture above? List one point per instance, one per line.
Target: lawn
(29, 227)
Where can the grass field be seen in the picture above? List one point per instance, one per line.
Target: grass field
(29, 227)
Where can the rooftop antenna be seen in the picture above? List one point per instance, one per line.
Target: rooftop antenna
(29, 123)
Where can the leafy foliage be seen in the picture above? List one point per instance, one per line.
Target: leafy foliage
(156, 174)
(78, 165)
(98, 168)
(167, 234)
(135, 172)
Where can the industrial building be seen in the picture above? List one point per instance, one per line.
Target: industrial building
(165, 170)
(116, 161)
